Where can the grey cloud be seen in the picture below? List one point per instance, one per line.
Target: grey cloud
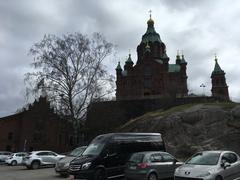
(200, 28)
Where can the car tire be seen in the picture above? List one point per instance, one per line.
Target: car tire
(14, 163)
(65, 175)
(218, 178)
(152, 176)
(99, 174)
(35, 165)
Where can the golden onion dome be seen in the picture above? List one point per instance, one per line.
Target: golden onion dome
(150, 21)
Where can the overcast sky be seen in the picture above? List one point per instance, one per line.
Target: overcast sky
(198, 27)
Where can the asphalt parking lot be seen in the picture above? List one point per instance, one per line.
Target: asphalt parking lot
(21, 173)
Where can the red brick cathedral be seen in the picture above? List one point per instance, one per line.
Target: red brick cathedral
(152, 75)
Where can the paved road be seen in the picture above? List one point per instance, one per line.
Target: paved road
(21, 173)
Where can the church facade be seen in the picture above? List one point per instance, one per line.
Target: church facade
(152, 75)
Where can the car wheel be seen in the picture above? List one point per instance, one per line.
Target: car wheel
(35, 165)
(65, 175)
(152, 176)
(219, 178)
(100, 174)
(14, 163)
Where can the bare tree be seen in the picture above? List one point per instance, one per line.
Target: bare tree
(70, 70)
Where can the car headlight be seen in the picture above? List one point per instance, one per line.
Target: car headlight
(66, 165)
(177, 170)
(86, 165)
(204, 174)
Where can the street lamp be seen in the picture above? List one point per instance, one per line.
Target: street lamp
(203, 86)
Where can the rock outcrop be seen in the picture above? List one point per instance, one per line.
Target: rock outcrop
(191, 128)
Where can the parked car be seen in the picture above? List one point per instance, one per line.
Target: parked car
(35, 159)
(210, 165)
(107, 154)
(151, 165)
(4, 155)
(15, 158)
(62, 165)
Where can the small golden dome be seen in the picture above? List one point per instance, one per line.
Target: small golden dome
(150, 21)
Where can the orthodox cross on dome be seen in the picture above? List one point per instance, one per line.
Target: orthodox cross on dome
(178, 52)
(150, 13)
(215, 54)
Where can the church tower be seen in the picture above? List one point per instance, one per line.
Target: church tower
(219, 85)
(151, 76)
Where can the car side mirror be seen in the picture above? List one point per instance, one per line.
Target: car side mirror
(112, 155)
(105, 156)
(225, 165)
(174, 161)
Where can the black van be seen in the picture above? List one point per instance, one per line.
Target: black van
(106, 155)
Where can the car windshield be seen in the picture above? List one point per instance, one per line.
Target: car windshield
(77, 152)
(206, 158)
(136, 158)
(94, 148)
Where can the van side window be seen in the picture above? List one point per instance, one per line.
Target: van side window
(156, 158)
(112, 149)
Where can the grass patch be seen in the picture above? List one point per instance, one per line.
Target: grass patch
(224, 105)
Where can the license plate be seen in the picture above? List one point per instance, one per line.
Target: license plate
(132, 167)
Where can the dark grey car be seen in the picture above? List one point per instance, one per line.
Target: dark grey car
(151, 166)
(63, 164)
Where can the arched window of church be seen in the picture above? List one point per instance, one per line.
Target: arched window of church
(147, 83)
(146, 94)
(10, 136)
(147, 71)
(156, 50)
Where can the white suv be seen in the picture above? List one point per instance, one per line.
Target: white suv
(35, 159)
(4, 155)
(15, 158)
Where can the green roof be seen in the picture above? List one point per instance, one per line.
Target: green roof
(183, 60)
(118, 66)
(217, 68)
(151, 35)
(174, 68)
(129, 59)
(165, 56)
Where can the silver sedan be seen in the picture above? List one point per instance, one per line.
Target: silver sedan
(210, 165)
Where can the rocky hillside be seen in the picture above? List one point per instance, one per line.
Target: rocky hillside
(193, 127)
